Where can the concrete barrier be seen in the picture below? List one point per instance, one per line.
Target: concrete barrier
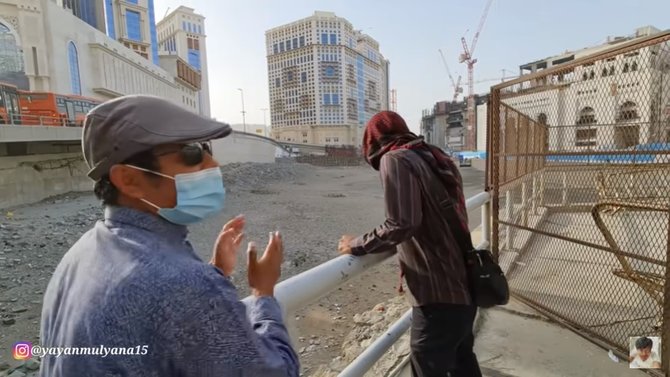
(15, 133)
(245, 147)
(29, 179)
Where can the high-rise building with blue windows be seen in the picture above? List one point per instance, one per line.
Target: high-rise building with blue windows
(182, 33)
(131, 22)
(326, 80)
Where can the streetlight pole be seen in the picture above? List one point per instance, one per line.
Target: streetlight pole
(265, 125)
(244, 121)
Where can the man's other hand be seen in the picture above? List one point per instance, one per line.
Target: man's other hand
(264, 273)
(227, 245)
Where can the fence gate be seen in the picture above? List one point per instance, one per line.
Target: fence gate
(579, 172)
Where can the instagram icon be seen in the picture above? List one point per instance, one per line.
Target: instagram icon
(22, 350)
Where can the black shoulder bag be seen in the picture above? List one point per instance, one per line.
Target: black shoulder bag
(488, 285)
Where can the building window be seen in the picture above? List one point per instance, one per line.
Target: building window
(626, 136)
(585, 135)
(333, 39)
(627, 111)
(73, 59)
(277, 82)
(133, 29)
(330, 71)
(326, 99)
(324, 38)
(336, 139)
(275, 48)
(336, 99)
(11, 59)
(633, 67)
(302, 41)
(295, 42)
(281, 46)
(303, 76)
(587, 116)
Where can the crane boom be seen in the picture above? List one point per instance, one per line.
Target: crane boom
(467, 57)
(455, 85)
(480, 27)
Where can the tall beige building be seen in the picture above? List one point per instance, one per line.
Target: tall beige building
(325, 80)
(182, 46)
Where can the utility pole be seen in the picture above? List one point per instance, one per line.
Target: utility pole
(244, 121)
(265, 125)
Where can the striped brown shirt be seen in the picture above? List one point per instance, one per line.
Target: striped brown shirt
(429, 256)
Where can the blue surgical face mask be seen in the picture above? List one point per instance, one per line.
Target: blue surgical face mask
(199, 195)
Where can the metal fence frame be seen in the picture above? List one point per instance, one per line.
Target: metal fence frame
(498, 179)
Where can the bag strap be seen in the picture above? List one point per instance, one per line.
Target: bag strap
(438, 190)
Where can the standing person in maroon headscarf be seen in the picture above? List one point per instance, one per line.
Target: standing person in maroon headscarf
(432, 264)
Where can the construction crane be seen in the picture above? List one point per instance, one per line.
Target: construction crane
(456, 84)
(468, 57)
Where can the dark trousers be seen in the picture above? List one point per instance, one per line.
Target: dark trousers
(442, 341)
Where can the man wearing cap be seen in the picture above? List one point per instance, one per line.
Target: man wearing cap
(131, 294)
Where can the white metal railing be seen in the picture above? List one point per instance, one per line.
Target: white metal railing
(36, 120)
(307, 287)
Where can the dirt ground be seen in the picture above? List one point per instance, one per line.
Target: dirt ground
(311, 206)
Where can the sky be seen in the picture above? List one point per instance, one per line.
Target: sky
(410, 34)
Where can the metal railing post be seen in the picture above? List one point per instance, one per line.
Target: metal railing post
(564, 196)
(509, 209)
(486, 222)
(524, 203)
(534, 195)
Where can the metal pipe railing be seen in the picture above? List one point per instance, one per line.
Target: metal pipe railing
(307, 287)
(366, 360)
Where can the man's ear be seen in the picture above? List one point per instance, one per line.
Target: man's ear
(128, 181)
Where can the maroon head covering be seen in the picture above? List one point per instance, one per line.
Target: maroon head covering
(384, 132)
(387, 131)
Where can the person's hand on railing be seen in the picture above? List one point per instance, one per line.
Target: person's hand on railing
(343, 247)
(264, 273)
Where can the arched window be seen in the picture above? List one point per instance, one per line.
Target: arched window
(585, 135)
(611, 70)
(587, 116)
(626, 68)
(542, 119)
(73, 59)
(604, 74)
(11, 57)
(633, 67)
(627, 111)
(592, 75)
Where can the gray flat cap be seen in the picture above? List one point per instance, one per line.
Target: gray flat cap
(122, 127)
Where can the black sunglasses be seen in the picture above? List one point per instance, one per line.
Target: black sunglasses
(192, 154)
